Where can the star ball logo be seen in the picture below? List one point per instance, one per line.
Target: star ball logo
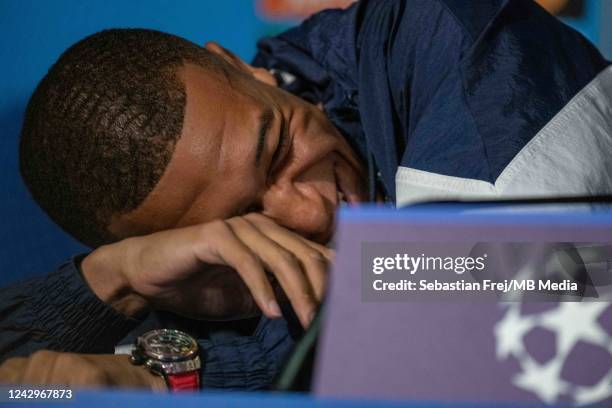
(555, 348)
(575, 335)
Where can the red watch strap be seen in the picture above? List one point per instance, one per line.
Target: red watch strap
(189, 381)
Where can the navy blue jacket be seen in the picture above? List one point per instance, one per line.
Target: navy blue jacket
(60, 312)
(457, 99)
(438, 97)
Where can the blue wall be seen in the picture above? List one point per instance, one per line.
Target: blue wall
(32, 35)
(596, 24)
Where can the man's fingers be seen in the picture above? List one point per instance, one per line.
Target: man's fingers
(233, 252)
(327, 253)
(40, 367)
(47, 367)
(314, 258)
(11, 371)
(284, 265)
(170, 270)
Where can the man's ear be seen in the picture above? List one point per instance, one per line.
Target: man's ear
(260, 74)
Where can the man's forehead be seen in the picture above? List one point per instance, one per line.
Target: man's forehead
(193, 159)
(205, 111)
(218, 134)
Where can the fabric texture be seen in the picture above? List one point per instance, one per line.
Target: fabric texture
(59, 312)
(436, 86)
(570, 156)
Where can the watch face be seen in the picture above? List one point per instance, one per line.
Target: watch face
(168, 345)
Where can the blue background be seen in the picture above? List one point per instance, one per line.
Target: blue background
(34, 32)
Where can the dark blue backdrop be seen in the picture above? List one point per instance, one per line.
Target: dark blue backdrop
(33, 34)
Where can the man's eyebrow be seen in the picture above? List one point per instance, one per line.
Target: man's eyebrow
(265, 121)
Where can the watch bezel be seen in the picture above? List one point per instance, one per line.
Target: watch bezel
(145, 350)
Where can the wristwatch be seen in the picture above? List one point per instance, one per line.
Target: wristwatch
(171, 354)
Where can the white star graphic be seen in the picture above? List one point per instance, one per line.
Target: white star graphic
(509, 332)
(542, 379)
(573, 321)
(597, 393)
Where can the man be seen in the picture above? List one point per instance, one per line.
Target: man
(139, 134)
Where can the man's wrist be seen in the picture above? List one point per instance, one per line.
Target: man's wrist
(102, 270)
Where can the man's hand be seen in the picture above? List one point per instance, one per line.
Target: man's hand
(216, 270)
(78, 370)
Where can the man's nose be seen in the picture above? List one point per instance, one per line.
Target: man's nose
(300, 207)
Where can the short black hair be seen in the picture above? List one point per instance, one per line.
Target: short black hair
(101, 126)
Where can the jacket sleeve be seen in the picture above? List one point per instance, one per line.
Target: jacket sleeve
(58, 312)
(246, 362)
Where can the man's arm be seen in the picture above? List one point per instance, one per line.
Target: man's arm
(229, 362)
(58, 312)
(214, 270)
(218, 270)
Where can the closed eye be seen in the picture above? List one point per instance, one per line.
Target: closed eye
(281, 147)
(265, 122)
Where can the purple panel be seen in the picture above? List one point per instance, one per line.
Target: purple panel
(430, 351)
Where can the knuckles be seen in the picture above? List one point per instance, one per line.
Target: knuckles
(11, 370)
(43, 356)
(82, 370)
(92, 375)
(316, 257)
(288, 260)
(214, 227)
(66, 368)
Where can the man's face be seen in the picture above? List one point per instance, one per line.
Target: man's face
(249, 146)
